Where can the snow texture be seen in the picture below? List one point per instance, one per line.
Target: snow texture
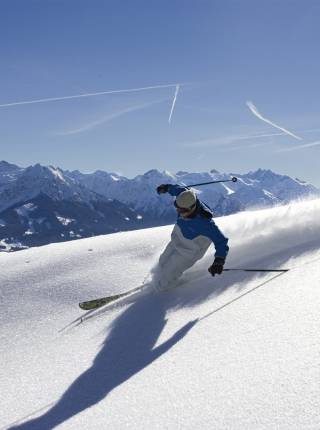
(237, 351)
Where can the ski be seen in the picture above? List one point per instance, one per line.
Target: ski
(97, 303)
(102, 301)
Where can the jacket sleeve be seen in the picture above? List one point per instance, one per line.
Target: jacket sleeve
(175, 190)
(219, 240)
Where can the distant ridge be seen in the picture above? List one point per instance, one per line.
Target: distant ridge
(44, 204)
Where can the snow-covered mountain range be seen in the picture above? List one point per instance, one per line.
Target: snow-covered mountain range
(262, 188)
(43, 204)
(238, 351)
(39, 205)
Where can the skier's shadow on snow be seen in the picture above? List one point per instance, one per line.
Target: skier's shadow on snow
(127, 350)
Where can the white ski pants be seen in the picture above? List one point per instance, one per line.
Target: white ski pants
(179, 255)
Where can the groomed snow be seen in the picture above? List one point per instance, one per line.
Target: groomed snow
(239, 351)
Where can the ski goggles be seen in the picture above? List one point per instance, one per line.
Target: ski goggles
(184, 210)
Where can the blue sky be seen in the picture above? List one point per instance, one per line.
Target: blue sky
(222, 53)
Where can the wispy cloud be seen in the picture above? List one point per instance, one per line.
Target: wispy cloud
(77, 96)
(240, 147)
(295, 148)
(107, 118)
(227, 140)
(255, 112)
(313, 130)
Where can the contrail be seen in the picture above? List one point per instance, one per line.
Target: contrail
(227, 140)
(77, 96)
(108, 118)
(294, 148)
(255, 112)
(174, 102)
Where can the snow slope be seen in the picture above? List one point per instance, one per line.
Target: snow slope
(239, 351)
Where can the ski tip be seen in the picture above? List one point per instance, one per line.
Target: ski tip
(82, 306)
(94, 304)
(87, 306)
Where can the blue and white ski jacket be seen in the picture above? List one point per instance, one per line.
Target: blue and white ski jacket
(192, 228)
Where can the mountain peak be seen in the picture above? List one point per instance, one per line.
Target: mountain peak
(152, 172)
(8, 166)
(45, 172)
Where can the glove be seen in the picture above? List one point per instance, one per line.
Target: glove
(217, 267)
(163, 188)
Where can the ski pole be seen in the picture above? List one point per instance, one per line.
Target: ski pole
(233, 179)
(257, 270)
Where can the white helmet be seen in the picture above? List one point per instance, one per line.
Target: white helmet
(186, 200)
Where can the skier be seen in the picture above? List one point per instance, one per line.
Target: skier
(192, 235)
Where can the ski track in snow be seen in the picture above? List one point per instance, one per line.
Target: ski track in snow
(239, 351)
